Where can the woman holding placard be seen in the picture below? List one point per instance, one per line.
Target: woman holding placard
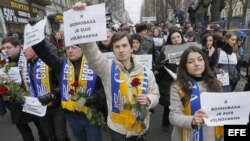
(186, 115)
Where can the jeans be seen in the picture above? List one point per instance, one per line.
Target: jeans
(82, 129)
(54, 124)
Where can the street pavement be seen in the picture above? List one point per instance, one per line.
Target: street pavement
(8, 131)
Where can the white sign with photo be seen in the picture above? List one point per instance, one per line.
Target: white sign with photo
(85, 26)
(174, 58)
(229, 108)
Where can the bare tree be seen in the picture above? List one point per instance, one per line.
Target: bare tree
(244, 3)
(161, 11)
(232, 5)
(166, 8)
(172, 3)
(215, 10)
(111, 6)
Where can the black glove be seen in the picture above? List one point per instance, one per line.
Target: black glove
(90, 101)
(47, 98)
(33, 21)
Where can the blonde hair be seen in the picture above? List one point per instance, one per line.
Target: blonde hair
(227, 36)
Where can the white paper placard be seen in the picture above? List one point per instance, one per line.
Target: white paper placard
(226, 108)
(13, 75)
(84, 26)
(224, 79)
(34, 34)
(227, 59)
(158, 41)
(34, 107)
(145, 59)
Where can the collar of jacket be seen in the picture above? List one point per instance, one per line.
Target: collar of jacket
(77, 62)
(15, 58)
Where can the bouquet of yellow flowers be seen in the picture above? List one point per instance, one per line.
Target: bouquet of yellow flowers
(82, 99)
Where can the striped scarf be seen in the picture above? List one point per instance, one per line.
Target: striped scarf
(86, 81)
(41, 80)
(121, 94)
(189, 109)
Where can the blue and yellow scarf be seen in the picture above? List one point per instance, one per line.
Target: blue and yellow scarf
(22, 62)
(41, 78)
(190, 108)
(86, 81)
(121, 94)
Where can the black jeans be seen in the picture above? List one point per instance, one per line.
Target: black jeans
(27, 134)
(120, 137)
(165, 118)
(54, 124)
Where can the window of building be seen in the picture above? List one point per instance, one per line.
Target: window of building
(235, 12)
(57, 1)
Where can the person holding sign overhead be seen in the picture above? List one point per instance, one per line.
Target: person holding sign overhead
(130, 88)
(186, 115)
(75, 77)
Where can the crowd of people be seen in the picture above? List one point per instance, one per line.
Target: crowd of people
(80, 86)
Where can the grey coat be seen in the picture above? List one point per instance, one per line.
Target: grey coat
(180, 121)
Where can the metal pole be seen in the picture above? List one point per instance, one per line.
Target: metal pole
(247, 15)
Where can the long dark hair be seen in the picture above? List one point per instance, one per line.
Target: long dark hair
(174, 30)
(204, 39)
(184, 78)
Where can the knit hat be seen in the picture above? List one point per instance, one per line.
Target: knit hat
(218, 28)
(190, 33)
(140, 27)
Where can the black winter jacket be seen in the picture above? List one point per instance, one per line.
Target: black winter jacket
(46, 51)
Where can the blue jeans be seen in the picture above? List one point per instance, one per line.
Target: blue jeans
(82, 129)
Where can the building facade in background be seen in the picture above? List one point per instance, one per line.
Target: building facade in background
(15, 14)
(163, 10)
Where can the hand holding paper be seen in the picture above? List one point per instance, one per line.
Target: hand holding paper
(34, 34)
(226, 108)
(33, 106)
(88, 24)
